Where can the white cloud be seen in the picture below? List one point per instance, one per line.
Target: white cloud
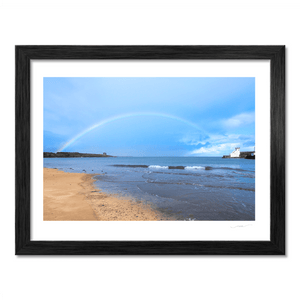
(216, 149)
(240, 120)
(191, 142)
(195, 139)
(225, 144)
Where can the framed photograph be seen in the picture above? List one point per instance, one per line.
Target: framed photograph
(150, 150)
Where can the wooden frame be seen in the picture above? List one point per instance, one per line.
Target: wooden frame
(276, 245)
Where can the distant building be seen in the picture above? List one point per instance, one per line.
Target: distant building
(238, 154)
(104, 153)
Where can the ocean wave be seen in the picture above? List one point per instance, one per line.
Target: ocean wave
(194, 168)
(158, 167)
(166, 167)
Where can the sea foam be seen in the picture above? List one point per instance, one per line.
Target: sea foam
(194, 167)
(158, 167)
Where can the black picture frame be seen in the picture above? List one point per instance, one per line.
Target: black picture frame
(23, 244)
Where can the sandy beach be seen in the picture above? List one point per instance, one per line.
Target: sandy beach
(73, 197)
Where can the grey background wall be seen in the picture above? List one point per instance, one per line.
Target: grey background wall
(148, 23)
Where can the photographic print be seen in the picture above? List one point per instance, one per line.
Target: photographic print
(150, 133)
(149, 148)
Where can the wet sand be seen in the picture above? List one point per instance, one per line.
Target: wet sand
(73, 197)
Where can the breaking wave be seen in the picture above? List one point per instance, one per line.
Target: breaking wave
(165, 167)
(158, 167)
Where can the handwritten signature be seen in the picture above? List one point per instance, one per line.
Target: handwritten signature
(237, 226)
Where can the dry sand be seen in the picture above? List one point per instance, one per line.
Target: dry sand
(73, 197)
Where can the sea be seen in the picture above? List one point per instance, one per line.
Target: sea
(182, 188)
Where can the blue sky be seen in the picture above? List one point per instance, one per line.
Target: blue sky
(144, 116)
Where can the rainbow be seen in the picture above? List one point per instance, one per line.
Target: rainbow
(124, 116)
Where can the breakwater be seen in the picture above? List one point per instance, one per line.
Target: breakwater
(240, 154)
(73, 154)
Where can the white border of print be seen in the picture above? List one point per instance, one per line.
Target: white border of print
(258, 230)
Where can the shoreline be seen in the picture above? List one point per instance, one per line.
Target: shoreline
(73, 197)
